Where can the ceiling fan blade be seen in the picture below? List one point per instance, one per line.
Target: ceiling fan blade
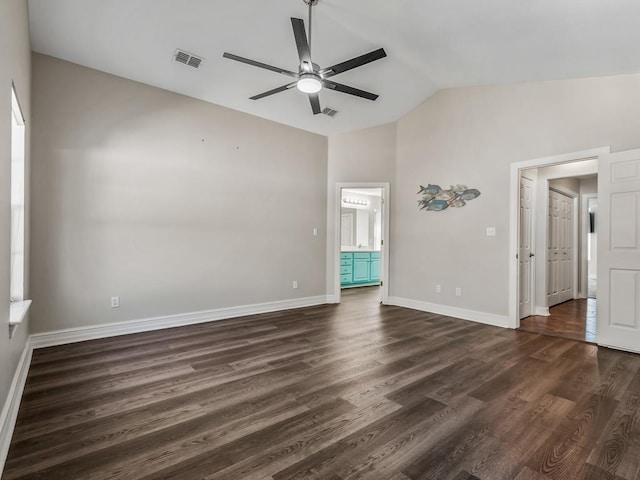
(304, 53)
(353, 63)
(338, 87)
(315, 103)
(237, 58)
(275, 90)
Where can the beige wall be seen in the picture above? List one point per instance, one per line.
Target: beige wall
(365, 156)
(566, 185)
(173, 204)
(471, 136)
(588, 185)
(15, 66)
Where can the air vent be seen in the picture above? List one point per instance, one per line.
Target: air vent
(187, 58)
(330, 112)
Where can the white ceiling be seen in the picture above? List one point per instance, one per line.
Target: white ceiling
(431, 44)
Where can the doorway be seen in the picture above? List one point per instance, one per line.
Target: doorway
(361, 260)
(552, 241)
(558, 306)
(592, 245)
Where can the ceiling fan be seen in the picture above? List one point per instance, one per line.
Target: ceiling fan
(310, 78)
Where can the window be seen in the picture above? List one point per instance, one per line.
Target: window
(19, 305)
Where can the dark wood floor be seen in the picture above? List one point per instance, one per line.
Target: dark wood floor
(575, 319)
(352, 391)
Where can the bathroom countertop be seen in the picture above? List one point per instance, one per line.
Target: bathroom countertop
(356, 250)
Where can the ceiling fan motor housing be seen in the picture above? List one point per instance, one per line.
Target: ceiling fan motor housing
(315, 69)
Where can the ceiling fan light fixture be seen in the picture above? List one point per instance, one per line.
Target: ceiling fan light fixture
(309, 83)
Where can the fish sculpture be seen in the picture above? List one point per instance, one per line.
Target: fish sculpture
(437, 205)
(436, 199)
(432, 189)
(470, 194)
(446, 195)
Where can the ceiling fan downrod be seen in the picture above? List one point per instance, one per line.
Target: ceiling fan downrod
(311, 3)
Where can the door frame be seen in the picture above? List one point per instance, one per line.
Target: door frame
(514, 211)
(384, 252)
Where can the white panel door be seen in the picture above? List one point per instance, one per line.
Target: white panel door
(559, 249)
(566, 249)
(553, 250)
(525, 253)
(618, 305)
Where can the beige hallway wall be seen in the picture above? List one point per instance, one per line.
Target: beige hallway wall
(364, 156)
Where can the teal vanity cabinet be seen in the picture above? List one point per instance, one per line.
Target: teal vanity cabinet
(375, 266)
(346, 268)
(361, 267)
(358, 269)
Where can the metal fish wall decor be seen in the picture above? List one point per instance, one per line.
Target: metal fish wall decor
(436, 199)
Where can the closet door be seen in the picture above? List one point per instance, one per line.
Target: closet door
(553, 250)
(559, 249)
(566, 249)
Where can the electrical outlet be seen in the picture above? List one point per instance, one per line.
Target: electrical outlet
(315, 232)
(458, 291)
(295, 284)
(438, 288)
(491, 231)
(115, 302)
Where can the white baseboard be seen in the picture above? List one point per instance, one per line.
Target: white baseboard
(9, 412)
(71, 335)
(542, 312)
(332, 299)
(474, 316)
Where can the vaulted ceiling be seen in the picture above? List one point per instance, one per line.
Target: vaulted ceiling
(431, 45)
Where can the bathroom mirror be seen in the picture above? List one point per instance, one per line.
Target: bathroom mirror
(361, 219)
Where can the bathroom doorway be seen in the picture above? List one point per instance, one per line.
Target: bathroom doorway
(361, 260)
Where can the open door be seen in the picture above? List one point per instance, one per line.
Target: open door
(618, 306)
(525, 252)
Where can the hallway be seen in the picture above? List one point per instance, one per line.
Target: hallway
(575, 320)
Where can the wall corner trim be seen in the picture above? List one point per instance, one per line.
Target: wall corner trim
(472, 315)
(332, 299)
(80, 334)
(11, 406)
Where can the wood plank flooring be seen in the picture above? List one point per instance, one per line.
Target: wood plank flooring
(575, 319)
(354, 391)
